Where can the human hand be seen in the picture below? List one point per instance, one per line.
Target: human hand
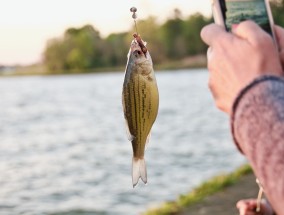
(279, 32)
(248, 207)
(235, 59)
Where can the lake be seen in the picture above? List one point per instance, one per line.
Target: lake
(64, 149)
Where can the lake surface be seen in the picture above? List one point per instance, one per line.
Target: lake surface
(64, 149)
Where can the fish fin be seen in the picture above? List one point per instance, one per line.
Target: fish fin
(129, 135)
(147, 140)
(138, 170)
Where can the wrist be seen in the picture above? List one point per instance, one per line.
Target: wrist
(250, 97)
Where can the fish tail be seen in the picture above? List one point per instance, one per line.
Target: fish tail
(138, 170)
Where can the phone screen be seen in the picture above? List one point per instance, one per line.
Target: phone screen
(236, 11)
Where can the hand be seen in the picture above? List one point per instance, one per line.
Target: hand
(279, 32)
(248, 207)
(235, 59)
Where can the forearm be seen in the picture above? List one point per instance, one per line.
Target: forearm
(258, 130)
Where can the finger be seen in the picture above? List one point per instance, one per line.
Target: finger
(246, 211)
(251, 213)
(209, 53)
(279, 32)
(250, 31)
(219, 101)
(241, 204)
(249, 203)
(211, 34)
(242, 211)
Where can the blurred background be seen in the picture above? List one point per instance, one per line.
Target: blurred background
(63, 145)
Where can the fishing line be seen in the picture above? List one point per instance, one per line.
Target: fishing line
(134, 16)
(136, 26)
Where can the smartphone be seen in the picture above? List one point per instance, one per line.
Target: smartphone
(229, 13)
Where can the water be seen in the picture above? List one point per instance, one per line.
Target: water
(64, 149)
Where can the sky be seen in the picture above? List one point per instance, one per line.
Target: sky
(26, 25)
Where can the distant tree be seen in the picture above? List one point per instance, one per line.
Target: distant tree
(54, 55)
(79, 49)
(82, 49)
(172, 36)
(150, 33)
(192, 28)
(85, 48)
(116, 49)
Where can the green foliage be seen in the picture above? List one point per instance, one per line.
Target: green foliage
(116, 49)
(79, 49)
(149, 30)
(193, 24)
(208, 188)
(83, 49)
(53, 54)
(173, 38)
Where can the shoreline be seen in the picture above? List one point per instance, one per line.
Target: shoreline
(190, 62)
(218, 195)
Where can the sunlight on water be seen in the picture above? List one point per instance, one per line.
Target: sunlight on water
(64, 149)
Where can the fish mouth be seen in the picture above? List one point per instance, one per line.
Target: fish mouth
(139, 45)
(138, 52)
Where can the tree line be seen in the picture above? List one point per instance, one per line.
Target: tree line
(83, 49)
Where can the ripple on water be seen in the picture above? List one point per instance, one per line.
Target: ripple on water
(64, 150)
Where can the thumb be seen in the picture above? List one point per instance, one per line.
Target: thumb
(211, 34)
(250, 31)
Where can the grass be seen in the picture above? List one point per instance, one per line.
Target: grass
(208, 188)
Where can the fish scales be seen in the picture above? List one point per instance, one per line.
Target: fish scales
(141, 119)
(140, 104)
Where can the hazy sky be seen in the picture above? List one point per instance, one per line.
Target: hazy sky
(26, 25)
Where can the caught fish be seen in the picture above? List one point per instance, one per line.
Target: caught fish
(140, 99)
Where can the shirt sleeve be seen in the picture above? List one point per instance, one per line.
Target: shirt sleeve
(257, 124)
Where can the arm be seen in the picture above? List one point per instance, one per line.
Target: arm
(258, 130)
(246, 65)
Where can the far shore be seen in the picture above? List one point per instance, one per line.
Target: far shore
(191, 62)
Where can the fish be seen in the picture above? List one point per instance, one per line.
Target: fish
(140, 100)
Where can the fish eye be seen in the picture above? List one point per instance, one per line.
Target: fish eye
(137, 53)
